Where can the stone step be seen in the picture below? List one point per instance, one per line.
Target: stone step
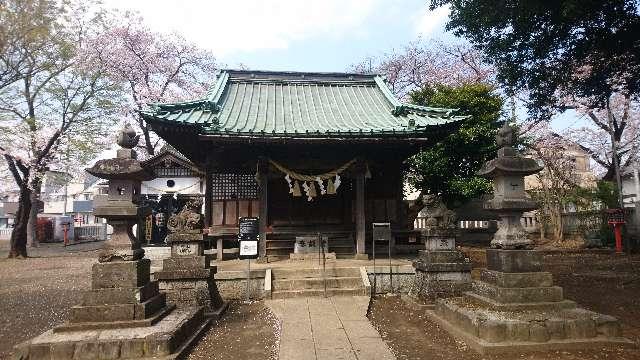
(528, 306)
(286, 294)
(82, 326)
(518, 295)
(280, 274)
(317, 283)
(532, 327)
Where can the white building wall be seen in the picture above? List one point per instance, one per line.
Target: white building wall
(182, 185)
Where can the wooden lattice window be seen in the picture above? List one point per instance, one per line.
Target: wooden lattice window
(234, 186)
(174, 172)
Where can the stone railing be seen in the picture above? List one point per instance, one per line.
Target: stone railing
(91, 232)
(5, 234)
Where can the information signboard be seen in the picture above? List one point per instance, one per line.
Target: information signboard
(248, 234)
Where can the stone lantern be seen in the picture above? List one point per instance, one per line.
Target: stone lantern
(123, 315)
(515, 305)
(121, 209)
(509, 197)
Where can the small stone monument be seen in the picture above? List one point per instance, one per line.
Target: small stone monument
(441, 270)
(123, 316)
(187, 276)
(514, 306)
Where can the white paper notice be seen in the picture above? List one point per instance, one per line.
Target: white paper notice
(248, 248)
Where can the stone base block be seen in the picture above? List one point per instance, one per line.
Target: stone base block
(489, 331)
(109, 254)
(167, 339)
(361, 257)
(192, 292)
(428, 287)
(185, 274)
(186, 248)
(313, 256)
(491, 304)
(117, 312)
(120, 274)
(442, 256)
(112, 296)
(441, 267)
(518, 295)
(517, 280)
(514, 261)
(187, 262)
(439, 240)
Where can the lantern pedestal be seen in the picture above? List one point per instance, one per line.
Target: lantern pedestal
(441, 270)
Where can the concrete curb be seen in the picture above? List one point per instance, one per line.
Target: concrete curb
(365, 280)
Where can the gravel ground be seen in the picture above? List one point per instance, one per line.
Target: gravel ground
(245, 332)
(36, 293)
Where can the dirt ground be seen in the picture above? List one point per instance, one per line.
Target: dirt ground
(605, 283)
(36, 294)
(245, 332)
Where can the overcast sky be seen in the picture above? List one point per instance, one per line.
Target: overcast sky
(302, 35)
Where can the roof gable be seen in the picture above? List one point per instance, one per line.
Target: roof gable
(170, 159)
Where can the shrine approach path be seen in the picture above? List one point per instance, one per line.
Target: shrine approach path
(328, 328)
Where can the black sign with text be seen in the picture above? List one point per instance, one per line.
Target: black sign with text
(248, 235)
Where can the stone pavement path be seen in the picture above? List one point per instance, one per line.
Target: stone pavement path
(328, 328)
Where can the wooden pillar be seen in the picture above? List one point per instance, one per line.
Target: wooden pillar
(360, 217)
(208, 199)
(263, 168)
(219, 249)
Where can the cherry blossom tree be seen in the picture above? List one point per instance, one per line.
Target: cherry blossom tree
(152, 67)
(419, 64)
(618, 120)
(554, 186)
(52, 103)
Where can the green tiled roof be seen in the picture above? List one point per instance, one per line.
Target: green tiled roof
(291, 104)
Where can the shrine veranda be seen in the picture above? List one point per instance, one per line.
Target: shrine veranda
(307, 153)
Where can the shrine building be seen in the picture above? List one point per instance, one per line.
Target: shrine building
(305, 152)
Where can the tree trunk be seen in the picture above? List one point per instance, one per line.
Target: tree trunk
(32, 236)
(18, 240)
(146, 133)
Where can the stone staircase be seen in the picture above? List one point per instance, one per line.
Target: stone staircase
(340, 281)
